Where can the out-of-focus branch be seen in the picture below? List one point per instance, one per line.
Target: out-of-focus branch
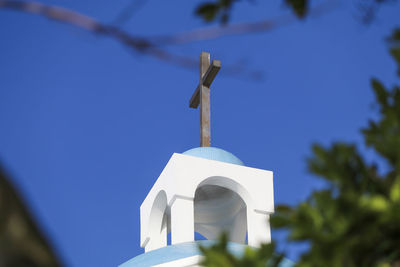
(148, 45)
(21, 242)
(153, 45)
(204, 34)
(139, 44)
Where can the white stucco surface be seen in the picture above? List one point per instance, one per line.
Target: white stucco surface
(191, 192)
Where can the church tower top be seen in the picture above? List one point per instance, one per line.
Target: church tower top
(205, 190)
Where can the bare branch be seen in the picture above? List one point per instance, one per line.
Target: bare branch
(152, 46)
(211, 33)
(68, 16)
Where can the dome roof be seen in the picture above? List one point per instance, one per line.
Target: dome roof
(184, 250)
(214, 153)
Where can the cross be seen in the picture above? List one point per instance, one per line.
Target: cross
(202, 95)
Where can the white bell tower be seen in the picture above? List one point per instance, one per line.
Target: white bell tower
(209, 191)
(196, 194)
(205, 190)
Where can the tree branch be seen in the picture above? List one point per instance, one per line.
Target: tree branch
(211, 33)
(64, 15)
(152, 45)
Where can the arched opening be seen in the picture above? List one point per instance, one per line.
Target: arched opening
(158, 223)
(218, 209)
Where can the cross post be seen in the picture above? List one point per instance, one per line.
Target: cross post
(202, 95)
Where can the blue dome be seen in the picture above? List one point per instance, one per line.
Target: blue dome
(214, 153)
(184, 250)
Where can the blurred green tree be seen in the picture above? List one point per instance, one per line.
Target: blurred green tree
(355, 219)
(22, 244)
(220, 10)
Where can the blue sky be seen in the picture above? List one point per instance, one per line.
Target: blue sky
(87, 125)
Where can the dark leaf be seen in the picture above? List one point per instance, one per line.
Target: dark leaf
(208, 11)
(299, 7)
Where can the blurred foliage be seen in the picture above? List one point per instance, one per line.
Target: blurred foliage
(218, 256)
(299, 7)
(21, 242)
(394, 42)
(355, 219)
(220, 10)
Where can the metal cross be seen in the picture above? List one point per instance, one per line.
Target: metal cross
(202, 95)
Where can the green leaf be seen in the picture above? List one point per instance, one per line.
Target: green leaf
(380, 92)
(208, 11)
(375, 203)
(395, 190)
(394, 42)
(299, 7)
(395, 52)
(218, 10)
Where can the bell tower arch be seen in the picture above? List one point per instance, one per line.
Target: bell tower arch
(208, 191)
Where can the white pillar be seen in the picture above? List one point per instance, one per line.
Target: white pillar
(182, 220)
(158, 234)
(156, 242)
(259, 230)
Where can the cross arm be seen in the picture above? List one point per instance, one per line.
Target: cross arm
(207, 79)
(211, 72)
(195, 99)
